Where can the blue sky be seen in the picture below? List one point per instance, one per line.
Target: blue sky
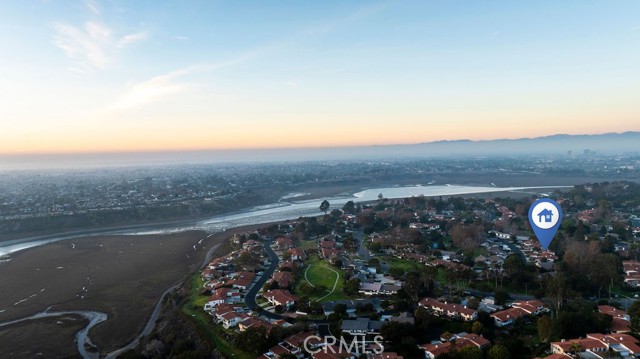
(87, 76)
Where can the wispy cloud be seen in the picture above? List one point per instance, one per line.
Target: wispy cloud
(151, 90)
(92, 44)
(355, 16)
(87, 45)
(162, 86)
(92, 6)
(131, 38)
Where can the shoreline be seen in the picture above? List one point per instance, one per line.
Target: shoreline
(178, 226)
(207, 247)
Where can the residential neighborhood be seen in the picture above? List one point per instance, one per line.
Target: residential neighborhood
(420, 270)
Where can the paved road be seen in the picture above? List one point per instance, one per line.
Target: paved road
(514, 248)
(250, 298)
(363, 251)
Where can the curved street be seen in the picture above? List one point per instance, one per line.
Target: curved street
(250, 298)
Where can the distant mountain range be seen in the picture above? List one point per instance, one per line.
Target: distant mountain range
(608, 143)
(561, 144)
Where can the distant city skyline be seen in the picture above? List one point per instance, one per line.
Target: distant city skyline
(118, 76)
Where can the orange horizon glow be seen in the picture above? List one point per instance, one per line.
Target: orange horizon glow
(107, 77)
(133, 145)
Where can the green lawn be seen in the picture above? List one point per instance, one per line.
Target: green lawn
(404, 264)
(321, 273)
(308, 244)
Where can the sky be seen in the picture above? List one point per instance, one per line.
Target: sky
(121, 76)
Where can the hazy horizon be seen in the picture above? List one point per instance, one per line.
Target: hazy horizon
(118, 76)
(558, 144)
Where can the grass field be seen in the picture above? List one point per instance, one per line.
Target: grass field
(404, 264)
(310, 244)
(320, 273)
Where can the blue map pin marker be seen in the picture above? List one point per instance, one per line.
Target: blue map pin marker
(545, 216)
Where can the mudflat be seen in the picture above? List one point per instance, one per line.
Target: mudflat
(33, 339)
(123, 276)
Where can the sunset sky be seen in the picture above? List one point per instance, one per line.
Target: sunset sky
(101, 76)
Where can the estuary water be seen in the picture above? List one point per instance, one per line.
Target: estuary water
(279, 211)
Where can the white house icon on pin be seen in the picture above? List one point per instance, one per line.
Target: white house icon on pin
(545, 215)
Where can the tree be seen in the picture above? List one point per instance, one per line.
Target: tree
(575, 347)
(466, 237)
(477, 327)
(498, 352)
(352, 286)
(471, 352)
(324, 206)
(514, 264)
(340, 309)
(544, 327)
(253, 340)
(412, 286)
(501, 297)
(634, 314)
(349, 207)
(306, 289)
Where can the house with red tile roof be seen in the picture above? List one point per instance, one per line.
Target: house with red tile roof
(620, 322)
(331, 352)
(556, 356)
(279, 350)
(435, 349)
(280, 297)
(330, 253)
(533, 307)
(457, 342)
(291, 265)
(298, 340)
(253, 322)
(232, 319)
(297, 254)
(221, 296)
(225, 308)
(466, 339)
(508, 316)
(450, 310)
(632, 273)
(242, 280)
(386, 355)
(283, 279)
(327, 244)
(284, 243)
(623, 344)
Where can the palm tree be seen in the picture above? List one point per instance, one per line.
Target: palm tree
(575, 347)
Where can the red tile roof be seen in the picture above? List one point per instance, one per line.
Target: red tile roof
(280, 296)
(437, 349)
(508, 314)
(282, 278)
(529, 306)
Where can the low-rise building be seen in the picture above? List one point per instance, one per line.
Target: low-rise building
(361, 326)
(623, 344)
(450, 310)
(280, 297)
